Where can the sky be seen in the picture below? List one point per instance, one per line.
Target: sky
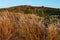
(46, 3)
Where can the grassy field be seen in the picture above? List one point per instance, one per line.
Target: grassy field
(20, 26)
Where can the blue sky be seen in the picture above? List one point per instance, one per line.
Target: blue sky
(47, 3)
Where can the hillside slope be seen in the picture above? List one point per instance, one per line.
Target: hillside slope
(40, 11)
(29, 23)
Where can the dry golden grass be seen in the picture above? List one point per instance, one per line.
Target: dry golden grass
(17, 26)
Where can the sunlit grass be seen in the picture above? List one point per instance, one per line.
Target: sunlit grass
(17, 26)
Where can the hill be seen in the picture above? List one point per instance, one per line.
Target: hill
(22, 23)
(41, 11)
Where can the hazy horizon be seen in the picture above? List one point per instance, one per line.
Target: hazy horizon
(46, 3)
